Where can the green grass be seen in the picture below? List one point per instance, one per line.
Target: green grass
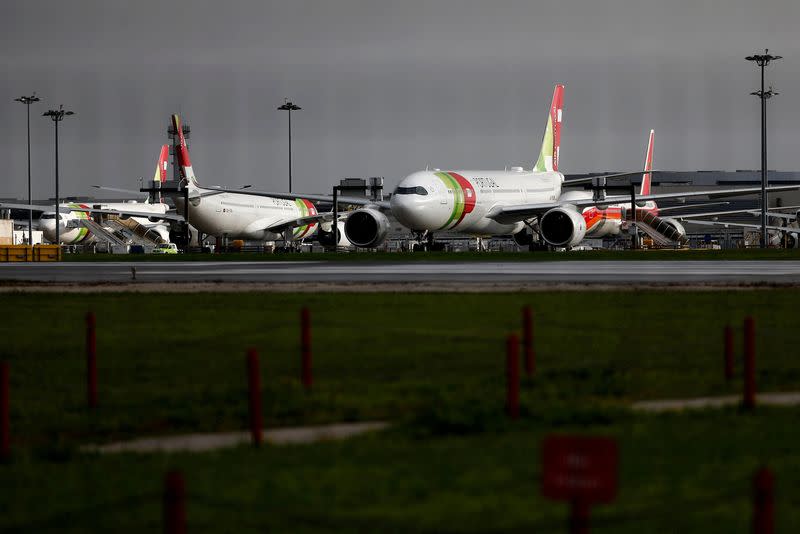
(586, 255)
(432, 363)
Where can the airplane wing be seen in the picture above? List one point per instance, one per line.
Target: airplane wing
(693, 206)
(300, 221)
(787, 216)
(724, 224)
(588, 179)
(119, 190)
(521, 212)
(127, 213)
(356, 201)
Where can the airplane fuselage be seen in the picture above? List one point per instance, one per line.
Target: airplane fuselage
(458, 201)
(239, 216)
(604, 220)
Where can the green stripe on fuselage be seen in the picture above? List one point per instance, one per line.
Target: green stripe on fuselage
(458, 197)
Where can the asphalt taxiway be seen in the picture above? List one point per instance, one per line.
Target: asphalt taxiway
(466, 273)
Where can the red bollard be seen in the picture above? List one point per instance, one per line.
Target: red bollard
(749, 400)
(174, 503)
(254, 386)
(763, 502)
(5, 432)
(512, 376)
(579, 517)
(527, 341)
(728, 353)
(91, 361)
(305, 347)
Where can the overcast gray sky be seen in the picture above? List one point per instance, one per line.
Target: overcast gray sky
(390, 87)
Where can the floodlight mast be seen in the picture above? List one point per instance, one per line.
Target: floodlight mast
(28, 100)
(57, 115)
(762, 60)
(289, 106)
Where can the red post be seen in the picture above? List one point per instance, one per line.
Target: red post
(5, 433)
(728, 353)
(512, 376)
(579, 517)
(174, 503)
(527, 341)
(763, 502)
(749, 400)
(254, 386)
(91, 360)
(305, 347)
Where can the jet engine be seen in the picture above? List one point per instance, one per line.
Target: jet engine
(366, 228)
(326, 238)
(563, 227)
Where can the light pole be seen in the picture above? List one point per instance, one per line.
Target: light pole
(57, 115)
(762, 60)
(289, 106)
(28, 100)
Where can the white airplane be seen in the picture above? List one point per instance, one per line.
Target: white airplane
(239, 215)
(488, 203)
(74, 219)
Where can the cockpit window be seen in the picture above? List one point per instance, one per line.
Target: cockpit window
(48, 216)
(418, 190)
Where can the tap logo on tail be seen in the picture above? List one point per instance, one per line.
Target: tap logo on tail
(551, 142)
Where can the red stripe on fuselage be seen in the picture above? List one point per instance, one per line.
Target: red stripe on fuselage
(469, 195)
(312, 210)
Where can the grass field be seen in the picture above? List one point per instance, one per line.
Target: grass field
(586, 255)
(430, 363)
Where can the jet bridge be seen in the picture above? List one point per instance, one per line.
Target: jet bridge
(658, 229)
(100, 233)
(134, 232)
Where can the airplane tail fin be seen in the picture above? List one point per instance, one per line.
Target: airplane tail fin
(648, 165)
(161, 166)
(182, 152)
(548, 156)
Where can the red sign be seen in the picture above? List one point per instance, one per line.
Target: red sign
(579, 468)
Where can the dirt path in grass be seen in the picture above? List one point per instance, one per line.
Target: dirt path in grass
(220, 440)
(676, 405)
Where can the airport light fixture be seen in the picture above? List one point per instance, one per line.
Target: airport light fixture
(289, 106)
(28, 100)
(57, 115)
(762, 60)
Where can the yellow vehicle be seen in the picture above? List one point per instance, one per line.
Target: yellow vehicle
(166, 248)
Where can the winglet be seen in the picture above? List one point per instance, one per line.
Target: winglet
(551, 142)
(648, 165)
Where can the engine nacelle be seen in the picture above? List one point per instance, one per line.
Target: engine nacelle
(563, 227)
(366, 228)
(326, 238)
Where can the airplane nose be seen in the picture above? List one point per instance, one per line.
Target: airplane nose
(417, 212)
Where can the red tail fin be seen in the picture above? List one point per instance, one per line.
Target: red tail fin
(161, 166)
(182, 151)
(551, 142)
(648, 165)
